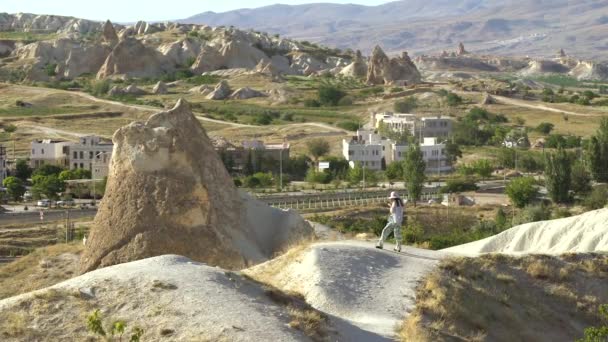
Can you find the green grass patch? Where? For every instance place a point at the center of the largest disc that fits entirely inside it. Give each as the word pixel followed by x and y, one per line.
pixel 567 81
pixel 41 111
pixel 27 36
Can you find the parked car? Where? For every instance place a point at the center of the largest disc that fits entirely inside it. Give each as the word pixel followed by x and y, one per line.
pixel 66 203
pixel 43 203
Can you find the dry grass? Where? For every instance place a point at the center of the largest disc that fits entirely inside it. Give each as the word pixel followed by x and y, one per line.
pixel 311 322
pixel 42 268
pixel 501 298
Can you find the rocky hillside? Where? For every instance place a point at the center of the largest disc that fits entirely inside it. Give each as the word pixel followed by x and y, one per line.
pixel 82 47
pixel 520 27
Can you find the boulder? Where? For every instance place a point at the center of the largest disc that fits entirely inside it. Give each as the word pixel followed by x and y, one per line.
pixel 109 33
pixel 395 71
pixel 246 93
pixel 160 88
pixel 221 92
pixel 202 89
pixel 134 90
pixel 168 192
pixel 116 91
pixel 230 54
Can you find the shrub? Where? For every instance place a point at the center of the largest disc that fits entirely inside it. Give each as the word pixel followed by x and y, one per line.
pixel 600 333
pixel 597 199
pixel 262 119
pixel 406 106
pixel 349 125
pixel 453 100
pixel 346 101
pixel 522 191
pixel 318 177
pixel 50 69
pixel 311 103
pixel 456 185
pixel 545 128
pixel 330 95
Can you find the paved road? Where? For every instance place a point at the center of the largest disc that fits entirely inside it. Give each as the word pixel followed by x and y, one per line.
pixel 49 216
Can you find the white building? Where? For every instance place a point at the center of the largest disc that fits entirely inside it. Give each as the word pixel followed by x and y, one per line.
pixel 49 151
pixel 373 152
pixel 93 154
pixel 425 127
pixel 367 149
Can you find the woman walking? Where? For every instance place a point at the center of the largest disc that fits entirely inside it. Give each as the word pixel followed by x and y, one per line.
pixel 395 220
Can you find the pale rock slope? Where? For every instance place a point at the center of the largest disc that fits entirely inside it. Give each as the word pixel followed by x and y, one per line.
pixel 584 233
pixel 371 289
pixel 170 297
pixel 168 192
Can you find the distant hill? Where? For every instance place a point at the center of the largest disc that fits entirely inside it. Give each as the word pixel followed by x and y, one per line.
pixel 516 27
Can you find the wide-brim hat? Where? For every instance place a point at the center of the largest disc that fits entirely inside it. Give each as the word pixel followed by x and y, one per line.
pixel 393 195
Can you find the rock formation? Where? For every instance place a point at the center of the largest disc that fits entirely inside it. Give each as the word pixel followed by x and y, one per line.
pixel 561 53
pixel 398 71
pixel 357 69
pixel 168 192
pixel 160 88
pixel 487 99
pixel 202 89
pixel 221 92
pixel 589 71
pixel 134 90
pixel 246 93
pixel 109 33
pixel 131 58
pixel 461 50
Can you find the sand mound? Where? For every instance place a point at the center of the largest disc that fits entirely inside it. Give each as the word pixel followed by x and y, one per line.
pixel 371 289
pixel 168 192
pixel 170 297
pixel 578 234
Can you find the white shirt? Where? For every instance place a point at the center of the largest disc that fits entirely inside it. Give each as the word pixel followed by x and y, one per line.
pixel 397 212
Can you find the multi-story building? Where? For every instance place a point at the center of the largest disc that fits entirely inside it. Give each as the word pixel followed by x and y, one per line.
pixel 367 149
pixel 425 127
pixel 263 157
pixel 49 151
pixel 375 152
pixel 91 153
pixel 434 127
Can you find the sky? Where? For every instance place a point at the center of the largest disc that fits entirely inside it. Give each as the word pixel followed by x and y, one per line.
pixel 133 10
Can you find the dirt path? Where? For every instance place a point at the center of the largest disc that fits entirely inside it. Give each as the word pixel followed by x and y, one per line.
pixel 51 132
pixel 526 104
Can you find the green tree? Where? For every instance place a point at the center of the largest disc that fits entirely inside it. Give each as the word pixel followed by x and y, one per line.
pixel 74 174
pixel 48 170
pixel 558 176
pixel 23 170
pixel 483 168
pixel 453 100
pixel 545 127
pixel 413 171
pixel 50 186
pixel 452 152
pixel 597 153
pixel 599 333
pixel 317 148
pixel 394 171
pixel 522 191
pixel 406 106
pixel 330 95
pixel 397 136
pixel 14 187
pixel 597 199
pixel 318 177
pixel 580 179
pixel 501 219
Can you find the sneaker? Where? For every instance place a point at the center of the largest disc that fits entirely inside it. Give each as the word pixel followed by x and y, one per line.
pixel 379 246
pixel 397 249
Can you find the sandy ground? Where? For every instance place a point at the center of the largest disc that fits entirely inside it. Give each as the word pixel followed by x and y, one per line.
pixel 370 288
pixel 578 234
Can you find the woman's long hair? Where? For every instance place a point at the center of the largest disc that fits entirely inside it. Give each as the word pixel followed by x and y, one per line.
pixel 398 202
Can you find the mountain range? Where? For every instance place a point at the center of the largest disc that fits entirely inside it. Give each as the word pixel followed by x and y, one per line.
pixel 538 28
